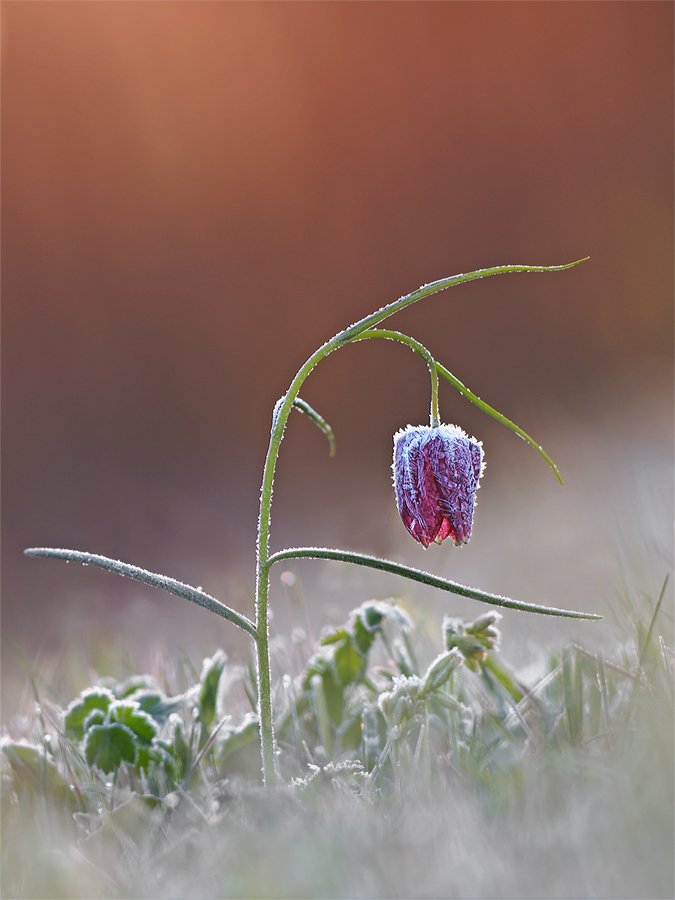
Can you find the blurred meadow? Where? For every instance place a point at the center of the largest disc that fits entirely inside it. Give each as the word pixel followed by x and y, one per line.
pixel 197 195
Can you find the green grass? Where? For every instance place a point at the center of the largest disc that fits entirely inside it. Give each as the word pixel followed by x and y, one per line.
pixel 400 775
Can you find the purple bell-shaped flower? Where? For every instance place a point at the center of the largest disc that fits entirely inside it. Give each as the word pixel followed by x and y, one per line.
pixel 436 475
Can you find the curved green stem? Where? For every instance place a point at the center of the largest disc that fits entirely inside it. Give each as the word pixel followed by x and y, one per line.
pixel 279 419
pixel 434 417
pixel 422 351
pixel 481 404
pixel 385 565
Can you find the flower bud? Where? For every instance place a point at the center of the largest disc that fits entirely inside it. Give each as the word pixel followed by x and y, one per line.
pixel 484 630
pixel 473 640
pixel 440 670
pixel 436 475
pixel 400 704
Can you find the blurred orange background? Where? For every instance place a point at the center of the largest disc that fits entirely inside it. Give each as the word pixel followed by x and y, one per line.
pixel 196 195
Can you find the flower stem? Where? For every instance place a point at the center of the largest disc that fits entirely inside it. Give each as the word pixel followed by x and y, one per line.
pixel 421 350
pixel 434 418
pixel 481 404
pixel 282 411
pixel 260 630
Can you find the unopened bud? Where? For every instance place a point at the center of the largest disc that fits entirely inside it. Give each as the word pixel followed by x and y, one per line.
pixel 436 475
pixel 472 640
pixel 440 670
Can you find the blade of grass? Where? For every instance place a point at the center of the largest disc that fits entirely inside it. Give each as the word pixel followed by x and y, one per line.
pixel 651 624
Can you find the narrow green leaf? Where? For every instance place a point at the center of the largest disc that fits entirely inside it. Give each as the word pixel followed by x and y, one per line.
pixel 349 663
pixel 170 585
pixel 441 285
pixel 578 704
pixel 321 709
pixel 503 676
pixel 208 694
pixel 385 565
pixel 334 637
pixel 481 404
pixel 318 420
pixel 651 624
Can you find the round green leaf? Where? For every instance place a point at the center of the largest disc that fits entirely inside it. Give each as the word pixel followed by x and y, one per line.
pixel 134 684
pixel 108 746
pixel 129 713
pixel 95 717
pixel 79 709
pixel 155 755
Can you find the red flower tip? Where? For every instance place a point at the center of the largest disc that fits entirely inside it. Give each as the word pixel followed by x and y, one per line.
pixel 436 475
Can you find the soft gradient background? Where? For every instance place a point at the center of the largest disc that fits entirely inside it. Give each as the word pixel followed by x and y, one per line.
pixel 196 195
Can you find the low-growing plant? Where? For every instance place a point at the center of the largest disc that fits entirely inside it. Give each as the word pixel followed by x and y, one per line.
pixel 135 784
pixel 437 469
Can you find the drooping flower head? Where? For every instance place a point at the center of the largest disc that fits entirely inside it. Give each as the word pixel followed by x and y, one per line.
pixel 436 475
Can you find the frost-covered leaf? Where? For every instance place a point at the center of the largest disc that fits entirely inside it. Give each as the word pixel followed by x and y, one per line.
pixel 179 747
pixel 334 637
pixel 349 663
pixel 448 702
pixel 128 713
pixel 156 754
pixel 373 612
pixel 108 746
pixel 208 694
pixel 79 709
pixel 31 766
pixel 403 702
pixel 134 684
pixel 347 774
pixel 95 717
pixel 158 705
pixel 240 736
pixel 474 639
pixel 366 621
pixel 322 664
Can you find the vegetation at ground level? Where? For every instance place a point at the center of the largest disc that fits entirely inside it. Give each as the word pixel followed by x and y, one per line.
pixel 401 772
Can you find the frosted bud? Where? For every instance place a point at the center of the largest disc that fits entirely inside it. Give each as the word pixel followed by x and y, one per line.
pixel 440 670
pixel 436 475
pixel 472 640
